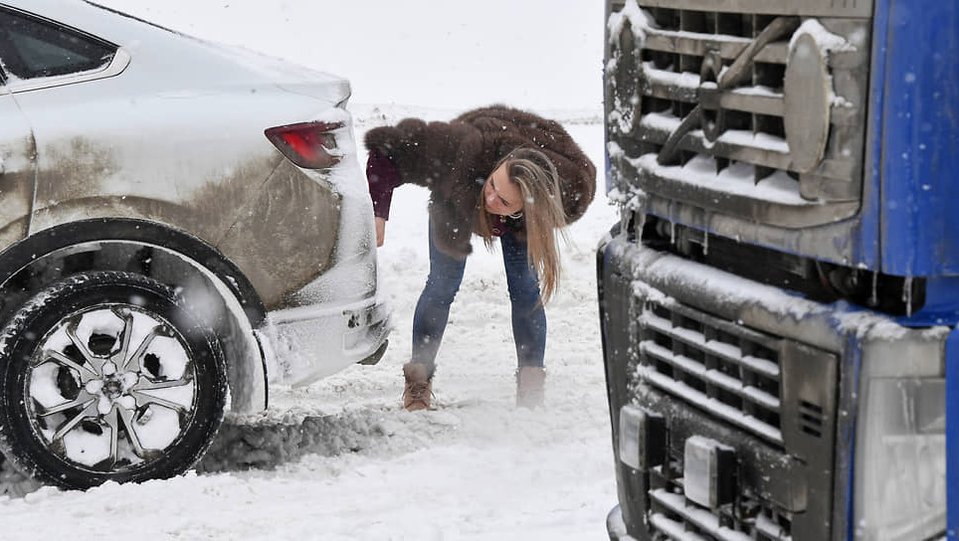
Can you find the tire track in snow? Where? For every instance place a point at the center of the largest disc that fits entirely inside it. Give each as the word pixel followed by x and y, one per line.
pixel 265 442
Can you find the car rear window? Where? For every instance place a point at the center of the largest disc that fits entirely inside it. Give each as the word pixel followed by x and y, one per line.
pixel 31 48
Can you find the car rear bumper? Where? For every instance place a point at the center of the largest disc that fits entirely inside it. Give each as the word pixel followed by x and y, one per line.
pixel 306 343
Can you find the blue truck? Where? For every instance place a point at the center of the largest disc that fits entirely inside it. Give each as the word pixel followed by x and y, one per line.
pixel 780 298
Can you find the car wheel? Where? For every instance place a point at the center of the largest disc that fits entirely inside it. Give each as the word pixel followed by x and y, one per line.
pixel 107 376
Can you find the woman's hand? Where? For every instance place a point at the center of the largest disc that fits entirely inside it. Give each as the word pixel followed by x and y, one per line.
pixel 380 231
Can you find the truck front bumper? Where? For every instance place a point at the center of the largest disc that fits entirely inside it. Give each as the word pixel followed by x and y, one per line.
pixel 665 318
pixel 615 526
pixel 688 352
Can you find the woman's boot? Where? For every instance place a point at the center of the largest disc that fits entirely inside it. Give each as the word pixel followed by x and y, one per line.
pixel 418 391
pixel 530 381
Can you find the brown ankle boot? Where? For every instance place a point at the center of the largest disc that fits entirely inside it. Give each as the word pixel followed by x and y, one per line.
pixel 418 391
pixel 530 381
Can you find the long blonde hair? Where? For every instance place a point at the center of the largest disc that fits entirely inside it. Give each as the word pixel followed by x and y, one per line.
pixel 543 212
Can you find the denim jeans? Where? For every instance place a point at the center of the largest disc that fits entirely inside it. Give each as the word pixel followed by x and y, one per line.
pixel 446 274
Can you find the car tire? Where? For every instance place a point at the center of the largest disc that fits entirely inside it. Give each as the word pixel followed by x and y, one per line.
pixel 108 376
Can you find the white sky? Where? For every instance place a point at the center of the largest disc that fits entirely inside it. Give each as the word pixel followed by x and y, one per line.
pixel 538 54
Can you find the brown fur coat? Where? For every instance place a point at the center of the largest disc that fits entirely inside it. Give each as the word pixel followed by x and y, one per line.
pixel 453 159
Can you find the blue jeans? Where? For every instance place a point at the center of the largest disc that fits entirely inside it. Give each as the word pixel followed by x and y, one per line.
pixel 446 274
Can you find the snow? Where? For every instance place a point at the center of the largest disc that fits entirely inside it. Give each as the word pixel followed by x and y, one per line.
pixel 621 113
pixel 715 406
pixel 87 448
pixel 758 90
pixel 702 519
pixel 728 287
pixel 43 386
pixel 763 141
pixel 173 358
pixel 738 178
pixel 159 430
pixel 339 460
pixel 636 17
pixel 685 79
pixel 825 40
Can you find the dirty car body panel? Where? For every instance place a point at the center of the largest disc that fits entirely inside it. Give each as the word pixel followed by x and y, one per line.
pixel 17 169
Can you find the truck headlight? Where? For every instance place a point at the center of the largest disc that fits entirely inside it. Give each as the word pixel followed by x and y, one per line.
pixel 900 487
pixel 708 476
pixel 642 438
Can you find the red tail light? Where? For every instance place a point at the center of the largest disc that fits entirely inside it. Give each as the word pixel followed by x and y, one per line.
pixel 310 145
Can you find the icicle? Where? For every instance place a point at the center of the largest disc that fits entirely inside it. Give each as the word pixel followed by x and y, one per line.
pixel 633 209
pixel 640 213
pixel 672 223
pixel 874 299
pixel 624 216
pixel 907 294
pixel 707 223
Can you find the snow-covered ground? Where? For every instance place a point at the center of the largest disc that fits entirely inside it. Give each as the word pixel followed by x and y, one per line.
pixel 341 459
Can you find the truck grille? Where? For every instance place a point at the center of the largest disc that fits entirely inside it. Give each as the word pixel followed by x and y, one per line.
pixel 699 110
pixel 730 371
pixel 749 371
pixel 677 518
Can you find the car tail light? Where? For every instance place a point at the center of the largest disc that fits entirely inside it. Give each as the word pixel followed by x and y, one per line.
pixel 311 145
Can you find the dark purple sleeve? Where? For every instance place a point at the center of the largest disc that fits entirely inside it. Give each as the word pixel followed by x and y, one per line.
pixel 382 177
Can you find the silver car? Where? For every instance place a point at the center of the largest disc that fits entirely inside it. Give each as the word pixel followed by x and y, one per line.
pixel 179 222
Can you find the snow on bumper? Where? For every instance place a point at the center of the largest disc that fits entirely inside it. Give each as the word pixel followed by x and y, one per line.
pixel 338 319
pixel 307 343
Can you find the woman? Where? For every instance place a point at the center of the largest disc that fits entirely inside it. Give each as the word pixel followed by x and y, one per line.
pixel 499 173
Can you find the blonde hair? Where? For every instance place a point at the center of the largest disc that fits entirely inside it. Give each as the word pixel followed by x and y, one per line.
pixel 535 175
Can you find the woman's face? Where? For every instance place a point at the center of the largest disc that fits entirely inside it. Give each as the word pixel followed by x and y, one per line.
pixel 500 194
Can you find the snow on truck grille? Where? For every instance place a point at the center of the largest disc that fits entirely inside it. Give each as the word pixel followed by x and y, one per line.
pixel 731 371
pixel 756 113
pixel 675 517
